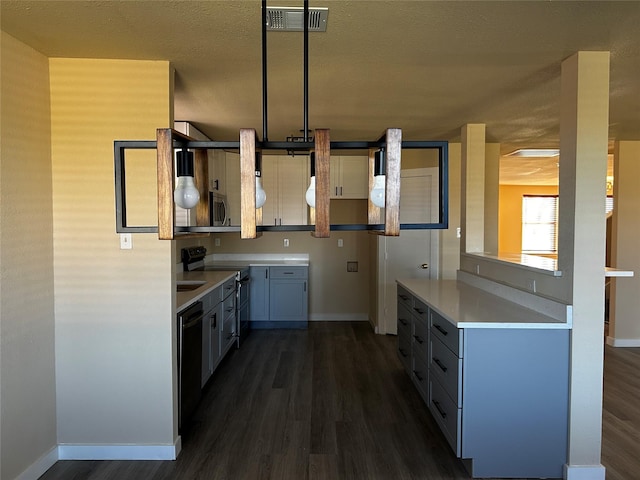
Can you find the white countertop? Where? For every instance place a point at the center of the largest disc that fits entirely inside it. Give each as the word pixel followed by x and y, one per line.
pixel 257 259
pixel 469 307
pixel 213 279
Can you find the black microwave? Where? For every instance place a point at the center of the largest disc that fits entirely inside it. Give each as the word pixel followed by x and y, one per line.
pixel 218 211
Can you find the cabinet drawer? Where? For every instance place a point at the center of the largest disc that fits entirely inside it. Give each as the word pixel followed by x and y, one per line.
pixel 447 368
pixel 228 287
pixel 420 338
pixel 446 413
pixel 229 306
pixel 404 351
pixel 448 333
pixel 211 299
pixel 404 298
pixel 421 310
pixel 288 272
pixel 420 374
pixel 404 319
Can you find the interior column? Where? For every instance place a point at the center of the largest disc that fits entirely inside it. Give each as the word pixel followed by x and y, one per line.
pixel 624 327
pixel 472 202
pixel 581 248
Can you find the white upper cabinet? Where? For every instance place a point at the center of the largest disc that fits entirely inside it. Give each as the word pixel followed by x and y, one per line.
pixel 285 180
pixel 349 177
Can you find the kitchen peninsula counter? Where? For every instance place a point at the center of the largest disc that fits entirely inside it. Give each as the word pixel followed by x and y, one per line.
pixel 492 365
pixel 466 306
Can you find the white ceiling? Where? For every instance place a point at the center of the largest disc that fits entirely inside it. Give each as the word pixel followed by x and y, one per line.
pixel 427 67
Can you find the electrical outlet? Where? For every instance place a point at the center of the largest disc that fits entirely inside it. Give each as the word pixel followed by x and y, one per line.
pixel 340 242
pixel 286 242
pixel 352 266
pixel 126 243
pixel 217 242
pixel 458 232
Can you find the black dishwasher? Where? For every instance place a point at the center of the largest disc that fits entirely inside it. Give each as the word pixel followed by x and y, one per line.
pixel 189 362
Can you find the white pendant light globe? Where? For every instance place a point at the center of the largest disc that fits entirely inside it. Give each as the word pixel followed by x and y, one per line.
pixel 377 194
pixel 261 195
pixel 186 194
pixel 310 196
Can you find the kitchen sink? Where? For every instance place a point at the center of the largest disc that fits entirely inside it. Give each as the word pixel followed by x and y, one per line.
pixel 188 285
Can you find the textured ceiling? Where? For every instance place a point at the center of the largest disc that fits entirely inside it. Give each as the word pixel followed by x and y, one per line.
pixel 427 67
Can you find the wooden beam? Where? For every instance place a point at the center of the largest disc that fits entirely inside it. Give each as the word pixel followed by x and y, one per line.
pixel 166 176
pixel 392 173
pixel 373 212
pixel 248 183
pixel 323 160
pixel 201 180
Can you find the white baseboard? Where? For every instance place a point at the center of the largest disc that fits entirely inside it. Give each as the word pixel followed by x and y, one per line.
pixel 339 317
pixel 119 452
pixel 584 472
pixel 37 468
pixel 623 342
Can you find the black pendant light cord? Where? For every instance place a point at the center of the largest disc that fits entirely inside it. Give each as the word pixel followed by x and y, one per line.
pixel 306 70
pixel 265 136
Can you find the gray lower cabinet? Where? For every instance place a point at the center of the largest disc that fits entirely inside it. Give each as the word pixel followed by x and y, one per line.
pixel 279 297
pixel 218 325
pixel 499 395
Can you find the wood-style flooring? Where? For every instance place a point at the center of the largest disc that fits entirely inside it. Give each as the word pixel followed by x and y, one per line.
pixel 333 402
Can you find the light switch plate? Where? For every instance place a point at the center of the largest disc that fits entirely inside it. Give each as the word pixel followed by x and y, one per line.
pixel 286 242
pixel 126 243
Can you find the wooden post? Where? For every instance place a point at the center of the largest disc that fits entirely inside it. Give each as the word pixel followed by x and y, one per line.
pixel 166 210
pixel 201 180
pixel 373 212
pixel 248 183
pixel 392 172
pixel 323 160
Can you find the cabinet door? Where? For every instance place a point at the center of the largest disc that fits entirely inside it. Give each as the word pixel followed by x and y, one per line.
pixel 288 300
pixel 335 177
pixel 206 349
pixel 214 336
pixel 293 182
pixel 217 171
pixel 354 175
pixel 259 294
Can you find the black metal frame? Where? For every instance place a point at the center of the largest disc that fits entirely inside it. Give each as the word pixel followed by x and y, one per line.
pixel 120 147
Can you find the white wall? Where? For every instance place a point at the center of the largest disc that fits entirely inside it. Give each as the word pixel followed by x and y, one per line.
pixel 27 391
pixel 114 308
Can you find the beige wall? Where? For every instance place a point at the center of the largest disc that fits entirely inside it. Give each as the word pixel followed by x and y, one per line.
pixel 334 293
pixel 510 214
pixel 27 391
pixel 114 308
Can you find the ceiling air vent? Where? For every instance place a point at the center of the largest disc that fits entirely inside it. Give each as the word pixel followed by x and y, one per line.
pixel 291 19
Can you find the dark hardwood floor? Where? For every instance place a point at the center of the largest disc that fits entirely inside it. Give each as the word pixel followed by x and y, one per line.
pixel 332 402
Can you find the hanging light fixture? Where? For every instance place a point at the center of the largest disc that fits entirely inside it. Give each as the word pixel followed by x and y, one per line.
pixel 378 192
pixel 186 194
pixel 261 195
pixel 310 196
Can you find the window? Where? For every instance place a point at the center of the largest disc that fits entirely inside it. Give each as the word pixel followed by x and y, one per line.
pixel 540 223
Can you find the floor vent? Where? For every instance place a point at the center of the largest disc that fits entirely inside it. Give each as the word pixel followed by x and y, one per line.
pixel 291 19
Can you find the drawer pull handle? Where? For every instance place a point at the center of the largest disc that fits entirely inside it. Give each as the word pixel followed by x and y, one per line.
pixel 403 321
pixel 418 339
pixel 287 273
pixel 402 352
pixel 420 311
pixel 230 309
pixel 404 297
pixel 440 329
pixel 442 413
pixel 417 374
pixel 440 364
